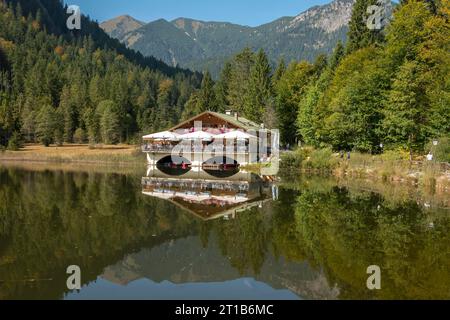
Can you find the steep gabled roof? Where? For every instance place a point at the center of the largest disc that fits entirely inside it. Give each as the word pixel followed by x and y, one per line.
pixel 241 123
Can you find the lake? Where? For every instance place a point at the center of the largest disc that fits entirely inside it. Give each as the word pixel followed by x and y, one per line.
pixel 164 234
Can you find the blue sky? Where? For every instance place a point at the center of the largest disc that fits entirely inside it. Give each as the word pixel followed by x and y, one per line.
pixel 246 12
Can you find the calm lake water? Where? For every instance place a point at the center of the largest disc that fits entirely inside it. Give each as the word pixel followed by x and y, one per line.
pixel 196 235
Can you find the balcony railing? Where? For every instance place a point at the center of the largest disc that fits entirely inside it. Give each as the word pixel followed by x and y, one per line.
pixel 194 149
pixel 157 149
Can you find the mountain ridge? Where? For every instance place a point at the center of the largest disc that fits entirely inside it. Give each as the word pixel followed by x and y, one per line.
pixel 203 45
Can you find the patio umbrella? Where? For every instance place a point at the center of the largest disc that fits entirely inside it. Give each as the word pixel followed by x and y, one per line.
pixel 236 135
pixel 198 135
pixel 165 135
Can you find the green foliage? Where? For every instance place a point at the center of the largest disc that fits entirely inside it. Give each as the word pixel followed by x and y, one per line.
pixel 15 142
pixel 47 125
pixel 308 158
pixel 395 93
pixel 290 89
pixel 279 71
pixel 246 87
pixel 359 35
pixel 406 113
pixel 239 80
pixel 441 151
pixel 260 88
pixel 80 136
pixel 108 114
pixel 343 232
pixel 202 45
pixel 43 68
pixel 292 161
pixel 321 159
pixel 354 99
pixel 207 97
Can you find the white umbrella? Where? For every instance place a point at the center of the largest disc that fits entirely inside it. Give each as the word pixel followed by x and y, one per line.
pixel 236 135
pixel 198 135
pixel 165 135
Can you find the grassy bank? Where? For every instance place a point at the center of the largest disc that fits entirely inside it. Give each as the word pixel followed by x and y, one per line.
pixel 392 193
pixel 101 154
pixel 393 167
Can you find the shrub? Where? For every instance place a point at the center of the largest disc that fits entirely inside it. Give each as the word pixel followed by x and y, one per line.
pixel 441 152
pixel 79 136
pixel 15 142
pixel 322 159
pixel 395 155
pixel 292 160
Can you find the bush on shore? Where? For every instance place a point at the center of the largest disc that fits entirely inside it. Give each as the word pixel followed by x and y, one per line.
pixel 15 142
pixel 309 158
pixel 392 165
pixel 441 151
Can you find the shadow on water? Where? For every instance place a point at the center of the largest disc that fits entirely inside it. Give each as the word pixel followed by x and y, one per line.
pixel 173 170
pixel 227 173
pixel 311 239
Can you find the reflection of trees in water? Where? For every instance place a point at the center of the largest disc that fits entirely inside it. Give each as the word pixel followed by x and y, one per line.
pixel 344 234
pixel 244 240
pixel 51 220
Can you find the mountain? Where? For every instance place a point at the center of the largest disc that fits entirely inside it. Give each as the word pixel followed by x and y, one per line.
pixel 199 45
pixel 53 16
pixel 187 261
pixel 67 81
pixel 120 26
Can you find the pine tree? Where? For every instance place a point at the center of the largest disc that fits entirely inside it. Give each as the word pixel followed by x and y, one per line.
pixel 239 79
pixel 260 88
pixel 222 88
pixel 109 122
pixel 289 93
pixel 336 57
pixel 40 64
pixel 46 125
pixel 359 35
pixel 92 122
pixel 70 115
pixel 279 71
pixel 206 96
pixel 191 107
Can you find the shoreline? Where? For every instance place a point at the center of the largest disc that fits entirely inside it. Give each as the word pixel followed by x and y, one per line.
pixel 123 155
pixel 430 176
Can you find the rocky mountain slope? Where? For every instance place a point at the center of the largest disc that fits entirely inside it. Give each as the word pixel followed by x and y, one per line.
pixel 199 45
pixel 120 26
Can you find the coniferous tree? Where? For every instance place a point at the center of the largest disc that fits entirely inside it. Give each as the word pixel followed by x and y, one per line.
pixel 239 79
pixel 69 114
pixel 259 88
pixel 46 125
pixel 42 65
pixel 222 88
pixel 359 35
pixel 336 57
pixel 206 96
pixel 279 71
pixel 289 93
pixel 109 122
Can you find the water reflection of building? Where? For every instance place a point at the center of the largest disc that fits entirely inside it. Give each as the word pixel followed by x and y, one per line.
pixel 208 194
pixel 186 268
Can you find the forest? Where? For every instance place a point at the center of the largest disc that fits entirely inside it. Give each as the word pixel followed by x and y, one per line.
pixel 387 88
pixel 61 87
pixel 58 217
